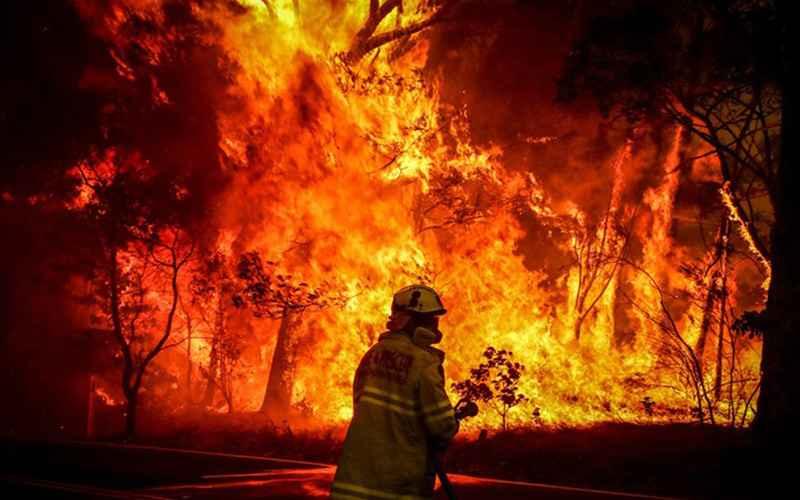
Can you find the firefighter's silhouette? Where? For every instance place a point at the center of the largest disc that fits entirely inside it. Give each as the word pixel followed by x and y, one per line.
pixel 402 417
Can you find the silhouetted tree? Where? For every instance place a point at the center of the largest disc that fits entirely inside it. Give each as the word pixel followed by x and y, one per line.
pixel 722 70
pixel 368 38
pixel 212 290
pixel 676 353
pixel 495 381
pixel 144 252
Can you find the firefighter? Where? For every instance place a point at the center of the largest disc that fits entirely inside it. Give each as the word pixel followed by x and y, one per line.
pixel 402 417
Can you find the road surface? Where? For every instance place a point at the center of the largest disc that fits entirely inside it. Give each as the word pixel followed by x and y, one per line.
pixel 93 470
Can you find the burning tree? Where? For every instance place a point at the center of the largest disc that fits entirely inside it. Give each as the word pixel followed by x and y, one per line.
pixel 716 70
pixel 275 295
pixel 676 353
pixel 598 252
pixel 733 384
pixel 367 40
pixel 711 284
pixel 213 287
pixel 457 200
pixel 713 276
pixel 680 356
pixel 495 381
pixel 144 253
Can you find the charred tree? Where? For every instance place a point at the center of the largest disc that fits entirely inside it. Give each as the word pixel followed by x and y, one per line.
pixel 126 316
pixel 189 365
pixel 211 373
pixel 715 290
pixel 722 288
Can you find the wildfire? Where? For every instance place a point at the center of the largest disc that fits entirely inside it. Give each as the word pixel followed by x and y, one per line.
pixel 357 173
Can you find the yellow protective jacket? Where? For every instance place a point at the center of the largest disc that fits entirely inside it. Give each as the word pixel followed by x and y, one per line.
pixel 401 415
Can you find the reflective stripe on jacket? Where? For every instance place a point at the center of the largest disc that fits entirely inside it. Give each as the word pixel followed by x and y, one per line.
pixel 401 413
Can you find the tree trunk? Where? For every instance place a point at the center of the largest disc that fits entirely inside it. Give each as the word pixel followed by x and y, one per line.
pixel 211 374
pixel 226 380
pixel 278 392
pixel 214 359
pixel 723 304
pixel 188 360
pixel 127 359
pixel 580 313
pixel 131 409
pixel 733 406
pixel 779 400
pixel 576 329
pixel 705 325
pixel 625 322
pixel 720 252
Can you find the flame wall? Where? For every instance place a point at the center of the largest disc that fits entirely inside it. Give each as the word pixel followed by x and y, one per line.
pixel 364 176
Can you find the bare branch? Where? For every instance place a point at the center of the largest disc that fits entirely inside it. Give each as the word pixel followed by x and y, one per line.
pixel 366 40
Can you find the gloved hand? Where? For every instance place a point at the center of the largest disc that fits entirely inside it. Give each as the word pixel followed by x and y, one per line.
pixel 465 409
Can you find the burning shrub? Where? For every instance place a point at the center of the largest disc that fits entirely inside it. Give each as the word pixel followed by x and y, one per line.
pixel 536 416
pixel 649 405
pixel 495 381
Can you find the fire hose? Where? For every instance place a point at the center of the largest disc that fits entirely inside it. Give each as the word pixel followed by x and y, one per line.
pixel 463 410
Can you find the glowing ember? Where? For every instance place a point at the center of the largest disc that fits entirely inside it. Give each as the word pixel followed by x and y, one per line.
pixel 106 397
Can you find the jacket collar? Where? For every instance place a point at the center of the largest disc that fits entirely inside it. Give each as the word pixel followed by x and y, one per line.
pixel 422 338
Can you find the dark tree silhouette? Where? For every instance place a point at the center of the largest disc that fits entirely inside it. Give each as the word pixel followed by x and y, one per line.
pixel 212 289
pixel 495 381
pixel 722 71
pixel 370 38
pixel 143 251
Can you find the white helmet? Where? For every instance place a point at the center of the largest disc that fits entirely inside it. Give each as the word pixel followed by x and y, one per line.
pixel 418 299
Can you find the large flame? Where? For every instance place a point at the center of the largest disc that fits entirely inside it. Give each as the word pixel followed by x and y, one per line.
pixel 358 174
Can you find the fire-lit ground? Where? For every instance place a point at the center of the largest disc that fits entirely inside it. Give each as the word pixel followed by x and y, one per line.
pixel 74 470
